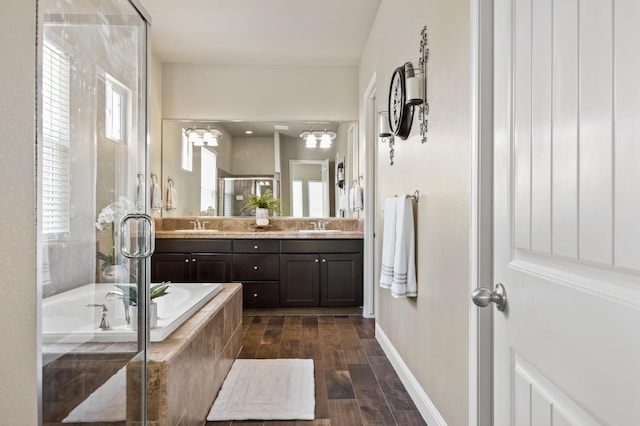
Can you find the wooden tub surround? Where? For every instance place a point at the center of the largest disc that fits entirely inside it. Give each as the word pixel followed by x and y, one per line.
pixel 186 370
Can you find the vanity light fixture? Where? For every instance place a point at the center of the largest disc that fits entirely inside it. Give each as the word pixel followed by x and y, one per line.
pixel 311 138
pixel 202 137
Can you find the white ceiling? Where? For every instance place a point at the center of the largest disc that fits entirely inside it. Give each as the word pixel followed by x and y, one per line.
pixel 261 32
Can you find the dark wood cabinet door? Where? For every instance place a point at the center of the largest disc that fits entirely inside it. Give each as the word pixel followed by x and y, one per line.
pixel 341 279
pixel 262 294
pixel 210 268
pixel 299 280
pixel 174 267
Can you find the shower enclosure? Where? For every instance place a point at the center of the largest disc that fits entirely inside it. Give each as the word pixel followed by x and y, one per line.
pixel 93 234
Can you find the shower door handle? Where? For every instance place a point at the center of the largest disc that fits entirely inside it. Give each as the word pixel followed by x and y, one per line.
pixel 150 243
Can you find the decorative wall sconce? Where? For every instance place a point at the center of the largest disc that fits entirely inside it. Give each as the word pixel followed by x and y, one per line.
pixel 408 90
pixel 384 133
pixel 202 137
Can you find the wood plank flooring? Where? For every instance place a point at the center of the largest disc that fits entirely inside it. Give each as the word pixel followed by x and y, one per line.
pixel 355 383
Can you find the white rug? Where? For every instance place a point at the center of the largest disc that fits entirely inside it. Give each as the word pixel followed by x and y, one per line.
pixel 108 403
pixel 266 389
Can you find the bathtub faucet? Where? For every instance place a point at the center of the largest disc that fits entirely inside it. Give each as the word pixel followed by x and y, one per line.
pixel 104 323
pixel 117 294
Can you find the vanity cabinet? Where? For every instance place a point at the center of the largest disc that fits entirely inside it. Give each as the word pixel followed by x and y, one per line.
pixel 256 264
pixel 321 273
pixel 197 260
pixel 273 272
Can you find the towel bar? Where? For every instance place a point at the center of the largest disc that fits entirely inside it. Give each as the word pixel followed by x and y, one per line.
pixel 415 196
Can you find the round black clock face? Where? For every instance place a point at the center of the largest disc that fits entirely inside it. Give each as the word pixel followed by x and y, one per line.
pixel 400 114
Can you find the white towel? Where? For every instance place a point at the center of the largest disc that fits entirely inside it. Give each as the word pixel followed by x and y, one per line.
pixel 358 202
pixel 172 197
pixel 404 265
pixel 156 193
pixel 388 242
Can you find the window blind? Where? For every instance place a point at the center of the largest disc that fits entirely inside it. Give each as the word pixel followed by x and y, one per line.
pixel 208 178
pixel 55 140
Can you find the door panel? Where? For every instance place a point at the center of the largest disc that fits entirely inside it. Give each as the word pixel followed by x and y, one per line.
pixel 566 238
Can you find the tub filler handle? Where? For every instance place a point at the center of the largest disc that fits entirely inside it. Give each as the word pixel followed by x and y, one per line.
pixel 104 323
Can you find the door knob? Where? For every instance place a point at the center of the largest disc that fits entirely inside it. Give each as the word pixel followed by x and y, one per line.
pixel 483 297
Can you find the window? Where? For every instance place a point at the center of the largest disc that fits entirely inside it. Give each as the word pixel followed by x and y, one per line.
pixel 186 157
pixel 116 109
pixel 296 196
pixel 208 179
pixel 56 73
pixel 315 198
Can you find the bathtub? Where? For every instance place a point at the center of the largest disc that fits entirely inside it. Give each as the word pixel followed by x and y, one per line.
pixel 67 319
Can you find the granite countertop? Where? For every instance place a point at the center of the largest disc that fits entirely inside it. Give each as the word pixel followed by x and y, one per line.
pixel 245 228
pixel 259 234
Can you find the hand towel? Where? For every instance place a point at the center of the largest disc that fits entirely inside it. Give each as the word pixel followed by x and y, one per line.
pixel 172 197
pixel 156 193
pixel 388 242
pixel 358 202
pixel 352 198
pixel 404 265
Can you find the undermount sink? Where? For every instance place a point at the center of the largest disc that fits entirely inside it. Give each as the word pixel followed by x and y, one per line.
pixel 319 231
pixel 195 231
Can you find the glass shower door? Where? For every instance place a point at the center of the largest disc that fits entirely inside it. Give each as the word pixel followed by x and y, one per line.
pixel 92 162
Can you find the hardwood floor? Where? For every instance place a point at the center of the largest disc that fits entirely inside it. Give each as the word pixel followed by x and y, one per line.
pixel 355 383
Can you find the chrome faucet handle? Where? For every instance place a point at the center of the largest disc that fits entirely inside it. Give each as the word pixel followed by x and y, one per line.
pixel 203 225
pixel 102 306
pixel 315 225
pixel 195 224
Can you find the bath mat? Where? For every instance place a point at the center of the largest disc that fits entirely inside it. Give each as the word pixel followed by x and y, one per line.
pixel 266 389
pixel 108 403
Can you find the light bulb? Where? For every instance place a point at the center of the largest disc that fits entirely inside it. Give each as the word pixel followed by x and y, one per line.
pixel 207 138
pixel 214 141
pixel 325 142
pixel 311 141
pixel 193 137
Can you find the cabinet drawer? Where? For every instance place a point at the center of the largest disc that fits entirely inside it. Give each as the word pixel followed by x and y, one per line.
pixel 200 245
pixel 256 267
pixel 260 295
pixel 256 246
pixel 321 246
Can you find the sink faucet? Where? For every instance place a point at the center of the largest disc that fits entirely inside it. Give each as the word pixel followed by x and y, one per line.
pixel 104 323
pixel 315 225
pixel 322 225
pixel 117 294
pixel 197 224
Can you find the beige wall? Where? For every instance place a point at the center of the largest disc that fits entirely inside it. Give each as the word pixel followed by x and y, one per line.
pixel 253 156
pixel 227 92
pixel 429 332
pixel 19 360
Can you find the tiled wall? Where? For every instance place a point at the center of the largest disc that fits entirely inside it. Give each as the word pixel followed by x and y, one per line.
pixel 187 369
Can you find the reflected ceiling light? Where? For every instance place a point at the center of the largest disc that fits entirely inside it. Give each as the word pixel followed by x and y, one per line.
pixel 202 137
pixel 249 132
pixel 311 137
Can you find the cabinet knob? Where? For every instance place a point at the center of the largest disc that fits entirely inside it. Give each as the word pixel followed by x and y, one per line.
pixel 316 260
pixel 193 260
pixel 186 261
pixel 255 294
pixel 324 260
pixel 255 267
pixel 256 247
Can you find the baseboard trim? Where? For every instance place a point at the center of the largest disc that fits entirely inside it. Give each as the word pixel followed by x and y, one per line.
pixel 425 406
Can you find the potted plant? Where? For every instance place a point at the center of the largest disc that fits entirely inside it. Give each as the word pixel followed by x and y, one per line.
pixel 262 204
pixel 110 215
pixel 130 297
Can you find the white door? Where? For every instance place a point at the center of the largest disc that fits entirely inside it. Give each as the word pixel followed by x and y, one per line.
pixel 567 212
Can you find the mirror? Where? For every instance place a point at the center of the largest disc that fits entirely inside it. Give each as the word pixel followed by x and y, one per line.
pixel 214 177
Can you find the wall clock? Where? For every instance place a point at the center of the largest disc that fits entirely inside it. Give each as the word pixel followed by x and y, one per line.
pixel 400 113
